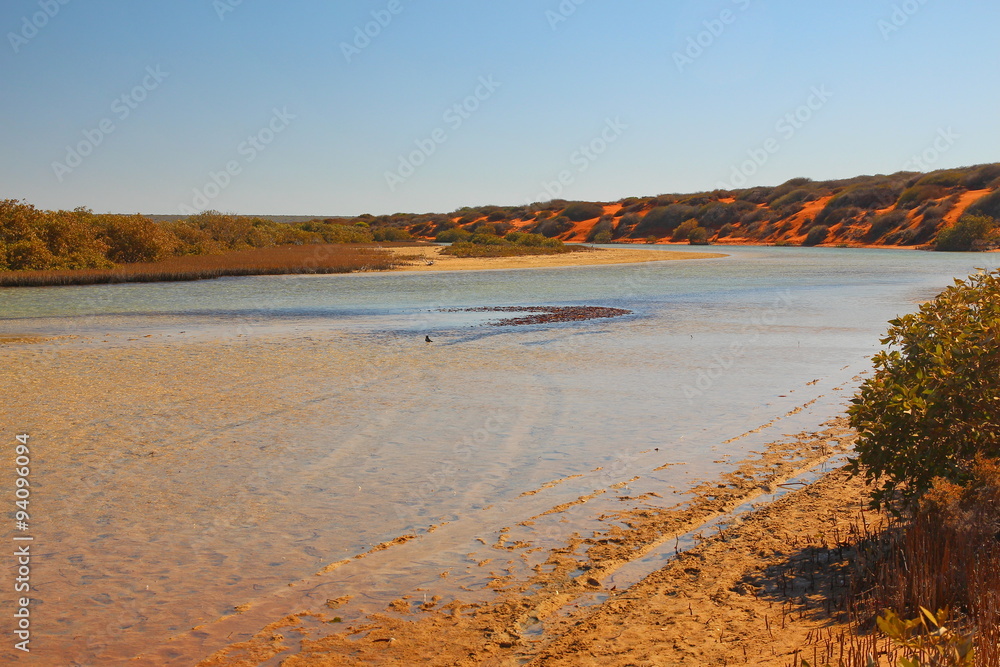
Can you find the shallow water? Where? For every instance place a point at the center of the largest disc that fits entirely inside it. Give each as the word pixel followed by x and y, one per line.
pixel 201 446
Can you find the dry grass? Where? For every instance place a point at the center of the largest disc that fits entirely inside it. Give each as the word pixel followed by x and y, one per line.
pixel 323 258
pixel 946 556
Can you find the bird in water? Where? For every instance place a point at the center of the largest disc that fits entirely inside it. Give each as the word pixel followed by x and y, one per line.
pixel 427 339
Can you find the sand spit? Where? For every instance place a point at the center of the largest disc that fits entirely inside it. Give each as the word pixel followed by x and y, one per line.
pixel 431 259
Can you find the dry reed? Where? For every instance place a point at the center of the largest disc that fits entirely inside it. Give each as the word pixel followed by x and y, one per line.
pixel 304 259
pixel 946 556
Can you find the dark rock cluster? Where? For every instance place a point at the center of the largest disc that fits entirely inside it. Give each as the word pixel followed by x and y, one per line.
pixel 544 314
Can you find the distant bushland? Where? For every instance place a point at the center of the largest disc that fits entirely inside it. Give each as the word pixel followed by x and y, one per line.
pixel 580 211
pixel 988 205
pixel 816 235
pixel 971 232
pixel 885 223
pixel 604 226
pixel 511 245
pixel 300 259
pixel 663 220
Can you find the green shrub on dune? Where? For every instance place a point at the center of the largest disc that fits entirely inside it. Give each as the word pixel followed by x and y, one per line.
pixel 580 211
pixel 971 232
pixel 988 205
pixel 453 235
pixel 816 235
pixel 511 245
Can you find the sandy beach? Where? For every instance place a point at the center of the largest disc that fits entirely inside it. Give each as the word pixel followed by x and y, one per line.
pixel 431 259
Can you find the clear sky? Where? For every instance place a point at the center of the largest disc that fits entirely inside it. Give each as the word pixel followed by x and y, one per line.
pixel 256 106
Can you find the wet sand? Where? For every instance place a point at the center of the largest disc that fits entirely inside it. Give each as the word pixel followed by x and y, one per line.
pixel 754 593
pixel 423 256
pixel 193 501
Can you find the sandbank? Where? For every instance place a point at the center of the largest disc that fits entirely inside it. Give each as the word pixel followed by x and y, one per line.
pixel 423 256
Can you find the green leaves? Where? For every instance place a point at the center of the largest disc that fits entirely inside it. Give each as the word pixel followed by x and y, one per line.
pixel 930 406
pixel 928 634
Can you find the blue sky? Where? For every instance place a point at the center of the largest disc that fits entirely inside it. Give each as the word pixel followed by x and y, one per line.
pixel 282 108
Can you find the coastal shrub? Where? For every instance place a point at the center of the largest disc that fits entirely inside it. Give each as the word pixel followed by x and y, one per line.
pixel 982 177
pixel 923 233
pixel 496 216
pixel 727 230
pixel 626 224
pixel 971 232
pixel 390 234
pixel 988 205
pixel 793 197
pixel 785 212
pixel 553 227
pixel 259 261
pixel 683 231
pixel 533 240
pixel 931 405
pixel 329 231
pixel 484 238
pixel 605 225
pixel 663 220
pixel 918 194
pixel 135 238
pixel 866 195
pixel 816 235
pixel 946 178
pixel 755 195
pixel 939 209
pixel 602 237
pixel 885 223
pixel 835 216
pixel 580 211
pixel 715 215
pixel 698 236
pixel 513 244
pixel 453 235
pixel 696 200
pixel 752 216
pixel 73 240
pixel 758 229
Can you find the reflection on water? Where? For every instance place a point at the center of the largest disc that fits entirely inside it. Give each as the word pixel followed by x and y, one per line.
pixel 202 446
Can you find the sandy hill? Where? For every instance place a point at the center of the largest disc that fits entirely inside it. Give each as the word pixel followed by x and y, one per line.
pixel 902 209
